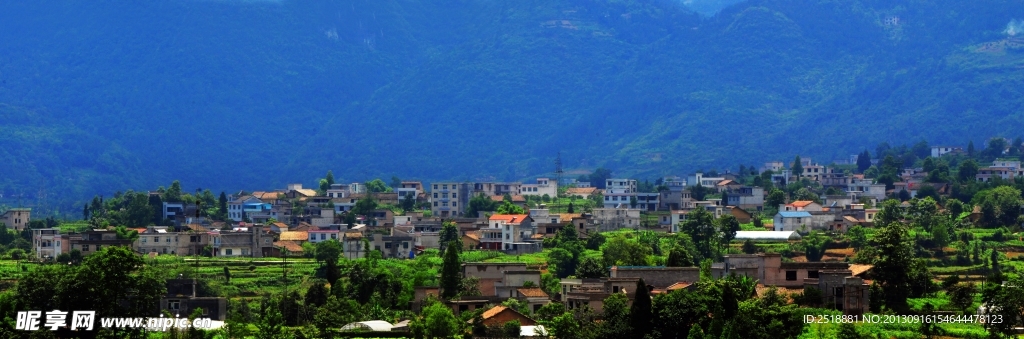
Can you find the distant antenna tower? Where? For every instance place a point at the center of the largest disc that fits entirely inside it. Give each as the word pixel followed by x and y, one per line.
pixel 558 169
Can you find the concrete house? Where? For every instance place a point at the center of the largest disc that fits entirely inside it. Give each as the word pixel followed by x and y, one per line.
pixel 90 242
pixel 792 221
pixel 47 243
pixel 745 197
pixel 240 242
pixel 544 186
pixel 16 218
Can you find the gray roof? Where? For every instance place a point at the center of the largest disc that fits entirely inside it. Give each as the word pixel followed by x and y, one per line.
pixel 372 325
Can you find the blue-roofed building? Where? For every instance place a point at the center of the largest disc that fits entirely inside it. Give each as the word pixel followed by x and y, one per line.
pixel 792 221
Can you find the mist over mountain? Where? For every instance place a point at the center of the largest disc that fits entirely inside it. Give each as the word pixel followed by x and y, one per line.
pixel 99 96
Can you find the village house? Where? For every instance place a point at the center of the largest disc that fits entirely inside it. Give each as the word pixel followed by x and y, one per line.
pixel 699 179
pixel 938 151
pixel 92 241
pixel 449 199
pixel 240 242
pixel 507 232
pixel 16 218
pixel 162 240
pixel 792 221
pixel 745 197
pixel 544 186
pixel 182 298
pixel 580 192
pixel 610 219
pixel 47 243
pixel 491 275
pixel 673 196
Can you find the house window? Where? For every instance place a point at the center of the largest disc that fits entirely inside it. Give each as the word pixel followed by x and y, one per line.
pixel 387 245
pixel 156 239
pixel 435 204
pixel 812 274
pixel 85 248
pixel 168 239
pixel 405 245
pixel 143 240
pixel 790 275
pixel 435 195
pixel 453 196
pixel 173 305
pixel 453 203
pixel 227 251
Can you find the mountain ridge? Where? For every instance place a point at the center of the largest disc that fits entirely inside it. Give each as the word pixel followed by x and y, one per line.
pixel 244 95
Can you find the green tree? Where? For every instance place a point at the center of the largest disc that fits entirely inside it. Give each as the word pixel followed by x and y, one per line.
pixel 377 186
pixel 679 257
pixel 863 161
pixel 640 315
pixel 563 261
pixel 728 226
pixel 700 226
pixel 848 331
pixel 695 332
pixel 508 207
pixel 775 198
pixel 895 251
pixel 967 171
pixel 449 235
pixel 173 194
pixel 616 318
pixel 451 274
pixel 222 206
pixel 329 178
pixel 797 167
pixel 961 295
pixel 408 202
pixel 438 321
pixel 699 192
pixel 749 247
pixel 858 239
pixel 480 203
pixel 591 268
pixel 365 205
pixel 627 252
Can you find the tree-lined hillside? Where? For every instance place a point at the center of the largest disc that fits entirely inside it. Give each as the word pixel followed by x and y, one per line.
pixel 244 94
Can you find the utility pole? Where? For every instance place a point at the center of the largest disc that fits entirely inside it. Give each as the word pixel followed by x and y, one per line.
pixel 558 172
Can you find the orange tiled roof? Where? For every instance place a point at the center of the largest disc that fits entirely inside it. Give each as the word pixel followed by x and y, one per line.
pixel 859 269
pixel 497 198
pixel 532 292
pixel 568 216
pixel 294 236
pixel 493 311
pixel 510 218
pixel 291 246
pixel 801 203
pixel 679 285
pixel 581 190
pixel 725 182
pixel 473 236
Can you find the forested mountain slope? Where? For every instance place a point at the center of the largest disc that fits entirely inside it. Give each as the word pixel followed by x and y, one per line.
pixel 100 95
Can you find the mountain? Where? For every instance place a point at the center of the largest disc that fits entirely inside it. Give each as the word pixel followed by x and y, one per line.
pixel 99 96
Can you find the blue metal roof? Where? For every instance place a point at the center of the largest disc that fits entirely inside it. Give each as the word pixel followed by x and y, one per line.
pixel 800 214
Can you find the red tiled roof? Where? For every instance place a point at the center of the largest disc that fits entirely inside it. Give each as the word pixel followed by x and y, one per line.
pixel 497 198
pixel 510 218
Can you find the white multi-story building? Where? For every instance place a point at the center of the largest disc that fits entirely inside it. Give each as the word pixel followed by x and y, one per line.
pixel 544 186
pixel 699 178
pixel 47 242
